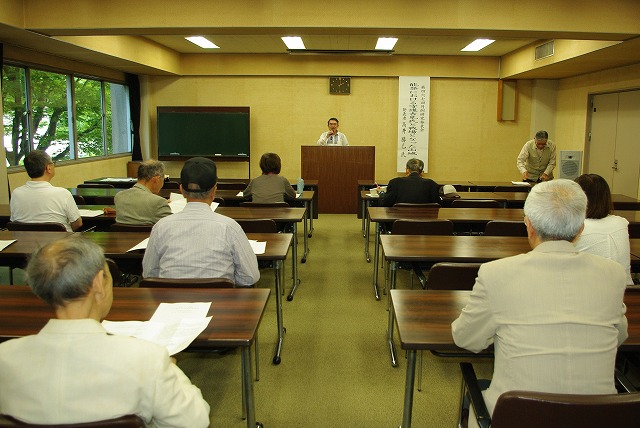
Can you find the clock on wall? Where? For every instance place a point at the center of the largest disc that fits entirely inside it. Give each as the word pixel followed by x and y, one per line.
pixel 340 85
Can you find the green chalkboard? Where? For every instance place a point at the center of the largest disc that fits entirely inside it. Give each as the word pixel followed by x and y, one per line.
pixel 216 132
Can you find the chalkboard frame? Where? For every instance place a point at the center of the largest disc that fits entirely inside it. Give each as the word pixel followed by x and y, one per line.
pixel 217 113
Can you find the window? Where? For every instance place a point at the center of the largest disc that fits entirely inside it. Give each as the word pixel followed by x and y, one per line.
pixel 70 117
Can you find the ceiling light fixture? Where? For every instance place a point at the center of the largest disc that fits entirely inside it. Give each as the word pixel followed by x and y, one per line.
pixel 294 42
pixel 386 43
pixel 477 44
pixel 202 42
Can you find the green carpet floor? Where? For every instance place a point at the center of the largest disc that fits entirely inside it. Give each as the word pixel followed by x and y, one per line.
pixel 335 369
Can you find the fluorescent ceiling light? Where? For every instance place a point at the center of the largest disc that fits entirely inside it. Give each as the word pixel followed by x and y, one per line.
pixel 477 44
pixel 294 42
pixel 202 42
pixel 386 43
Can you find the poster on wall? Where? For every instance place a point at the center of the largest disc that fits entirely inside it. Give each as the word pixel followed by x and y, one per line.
pixel 413 120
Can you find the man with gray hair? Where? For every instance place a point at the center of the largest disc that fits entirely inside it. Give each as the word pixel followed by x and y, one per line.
pixel 537 159
pixel 141 204
pixel 197 242
pixel 554 315
pixel 412 188
pixel 73 371
pixel 40 202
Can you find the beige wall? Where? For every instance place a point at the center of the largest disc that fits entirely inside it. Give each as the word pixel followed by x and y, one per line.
pixel 572 102
pixel 466 141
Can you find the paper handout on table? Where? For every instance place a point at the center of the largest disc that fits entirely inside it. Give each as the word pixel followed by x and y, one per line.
pixel 173 325
pixel 120 180
pixel 5 243
pixel 258 247
pixel 90 213
pixel 521 183
pixel 142 245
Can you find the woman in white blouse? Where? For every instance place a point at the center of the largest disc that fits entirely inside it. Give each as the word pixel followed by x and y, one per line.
pixel 604 234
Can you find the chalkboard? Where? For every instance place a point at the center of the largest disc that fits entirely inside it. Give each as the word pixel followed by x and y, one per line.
pixel 215 132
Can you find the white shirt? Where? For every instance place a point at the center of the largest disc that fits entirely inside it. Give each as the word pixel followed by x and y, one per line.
pixel 40 202
pixel 334 140
pixel 607 237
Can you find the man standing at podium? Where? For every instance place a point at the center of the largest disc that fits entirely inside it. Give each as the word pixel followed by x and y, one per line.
pixel 332 137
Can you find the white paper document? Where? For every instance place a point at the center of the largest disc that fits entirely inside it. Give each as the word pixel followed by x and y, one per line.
pixel 142 245
pixel 521 183
pixel 178 202
pixel 173 325
pixel 258 247
pixel 90 213
pixel 119 180
pixel 5 243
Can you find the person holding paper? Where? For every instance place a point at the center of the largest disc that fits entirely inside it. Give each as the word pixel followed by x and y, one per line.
pixel 40 202
pixel 73 371
pixel 141 204
pixel 537 159
pixel 269 187
pixel 197 242
pixel 332 137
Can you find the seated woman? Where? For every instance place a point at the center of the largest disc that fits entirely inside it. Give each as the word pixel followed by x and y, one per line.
pixel 604 234
pixel 269 187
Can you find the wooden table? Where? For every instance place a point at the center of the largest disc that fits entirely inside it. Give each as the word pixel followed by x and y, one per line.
pixel 424 323
pixel 387 215
pixel 116 246
pixel 236 317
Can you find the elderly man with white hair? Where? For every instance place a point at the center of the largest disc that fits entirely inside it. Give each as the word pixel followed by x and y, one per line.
pixel 554 315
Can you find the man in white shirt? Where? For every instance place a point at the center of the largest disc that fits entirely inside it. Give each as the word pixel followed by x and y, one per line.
pixel 197 242
pixel 332 137
pixel 40 202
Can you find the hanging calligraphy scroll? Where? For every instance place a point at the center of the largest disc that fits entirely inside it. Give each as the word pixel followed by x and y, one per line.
pixel 413 120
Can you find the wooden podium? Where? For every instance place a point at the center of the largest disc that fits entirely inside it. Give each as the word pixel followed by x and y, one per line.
pixel 338 169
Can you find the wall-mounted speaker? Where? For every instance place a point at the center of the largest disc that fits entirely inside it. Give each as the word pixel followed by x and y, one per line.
pixel 570 164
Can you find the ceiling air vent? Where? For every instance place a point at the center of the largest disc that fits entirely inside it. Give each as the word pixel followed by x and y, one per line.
pixel 545 50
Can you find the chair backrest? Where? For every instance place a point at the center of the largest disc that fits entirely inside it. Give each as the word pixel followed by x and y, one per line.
pixel 410 205
pixel 505 228
pixel 187 283
pixel 475 203
pixel 128 421
pixel 526 409
pixel 171 185
pixel 103 200
pixel 261 205
pixel 524 189
pixel 79 200
pixel 97 185
pixel 262 225
pixel 116 275
pixel 44 227
pixel 121 227
pixel 230 185
pixel 452 276
pixel 634 230
pixel 422 227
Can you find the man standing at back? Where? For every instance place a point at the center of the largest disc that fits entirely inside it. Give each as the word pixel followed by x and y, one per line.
pixel 141 204
pixel 197 242
pixel 410 189
pixel 554 315
pixel 40 202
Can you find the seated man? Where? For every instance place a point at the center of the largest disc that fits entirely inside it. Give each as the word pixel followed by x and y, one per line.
pixel 141 204
pixel 410 189
pixel 73 371
pixel 40 202
pixel 555 315
pixel 197 242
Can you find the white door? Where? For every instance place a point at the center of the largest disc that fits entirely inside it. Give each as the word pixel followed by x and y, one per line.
pixel 614 148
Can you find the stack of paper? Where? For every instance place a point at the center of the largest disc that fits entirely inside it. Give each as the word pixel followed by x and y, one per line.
pixel 173 325
pixel 177 202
